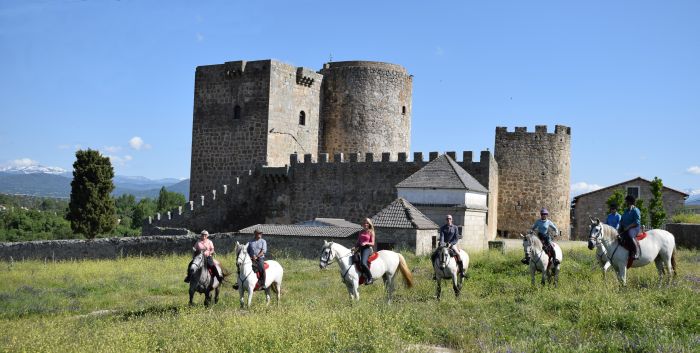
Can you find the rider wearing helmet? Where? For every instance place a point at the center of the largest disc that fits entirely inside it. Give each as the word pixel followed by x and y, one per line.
pixel 542 226
pixel 206 246
pixel 630 224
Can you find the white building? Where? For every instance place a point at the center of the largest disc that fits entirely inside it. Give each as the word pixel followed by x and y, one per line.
pixel 442 187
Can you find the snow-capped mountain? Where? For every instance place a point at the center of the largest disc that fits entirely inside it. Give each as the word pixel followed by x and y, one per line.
pixel 33 169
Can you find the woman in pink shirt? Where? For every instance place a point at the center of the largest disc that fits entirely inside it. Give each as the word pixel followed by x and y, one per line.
pixel 206 247
pixel 365 242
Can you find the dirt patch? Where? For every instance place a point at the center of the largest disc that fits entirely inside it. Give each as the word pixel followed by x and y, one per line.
pixel 426 348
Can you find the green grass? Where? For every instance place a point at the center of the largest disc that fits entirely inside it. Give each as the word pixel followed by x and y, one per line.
pixel 686 218
pixel 46 307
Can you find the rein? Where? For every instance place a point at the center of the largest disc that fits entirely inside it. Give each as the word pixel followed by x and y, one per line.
pixel 242 279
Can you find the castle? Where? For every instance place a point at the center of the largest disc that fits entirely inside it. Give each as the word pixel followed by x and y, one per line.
pixel 274 143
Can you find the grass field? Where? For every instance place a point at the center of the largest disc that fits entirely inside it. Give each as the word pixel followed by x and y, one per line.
pixel 140 304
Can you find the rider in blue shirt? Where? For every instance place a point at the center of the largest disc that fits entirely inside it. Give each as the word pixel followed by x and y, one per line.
pixel 630 225
pixel 257 250
pixel 614 218
pixel 542 226
pixel 449 235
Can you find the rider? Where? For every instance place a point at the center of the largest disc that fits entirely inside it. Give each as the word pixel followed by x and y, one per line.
pixel 206 246
pixel 257 250
pixel 614 218
pixel 449 234
pixel 364 244
pixel 630 224
pixel 542 226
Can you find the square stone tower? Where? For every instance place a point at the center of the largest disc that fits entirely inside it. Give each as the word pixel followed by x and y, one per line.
pixel 247 114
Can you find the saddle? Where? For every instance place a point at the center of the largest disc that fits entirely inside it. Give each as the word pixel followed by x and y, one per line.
pixel 630 247
pixel 218 268
pixel 257 274
pixel 358 266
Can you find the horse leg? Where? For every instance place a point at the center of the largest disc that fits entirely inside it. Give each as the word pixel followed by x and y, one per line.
pixel 622 274
pixel 389 284
pixel 659 262
pixel 278 290
pixel 455 286
pixel 532 274
pixel 438 289
pixel 267 296
pixel 216 295
pixel 240 293
pixel 207 297
pixel 250 295
pixel 191 295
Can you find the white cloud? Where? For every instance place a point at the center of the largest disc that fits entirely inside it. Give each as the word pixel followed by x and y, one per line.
pixel 120 161
pixel 583 187
pixel 137 143
pixel 23 162
pixel 694 192
pixel 694 170
pixel 112 149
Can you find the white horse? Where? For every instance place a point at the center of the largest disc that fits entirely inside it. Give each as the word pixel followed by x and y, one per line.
pixel 446 267
pixel 539 260
pixel 201 281
pixel 384 266
pixel 658 246
pixel 247 278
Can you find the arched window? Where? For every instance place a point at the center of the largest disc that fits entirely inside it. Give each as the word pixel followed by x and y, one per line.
pixel 237 112
pixel 403 110
pixel 302 118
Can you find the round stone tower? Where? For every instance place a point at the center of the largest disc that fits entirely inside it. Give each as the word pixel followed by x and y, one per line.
pixel 366 107
pixel 534 171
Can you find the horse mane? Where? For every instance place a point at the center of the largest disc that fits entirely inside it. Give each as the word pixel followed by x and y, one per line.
pixel 535 242
pixel 609 233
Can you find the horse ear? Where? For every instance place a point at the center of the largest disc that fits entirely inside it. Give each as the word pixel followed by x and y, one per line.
pixel 325 243
pixel 592 220
pixel 597 221
pixel 521 235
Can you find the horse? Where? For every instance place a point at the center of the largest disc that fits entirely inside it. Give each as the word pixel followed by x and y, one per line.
pixel 539 260
pixel 202 281
pixel 384 266
pixel 247 278
pixel 658 246
pixel 446 267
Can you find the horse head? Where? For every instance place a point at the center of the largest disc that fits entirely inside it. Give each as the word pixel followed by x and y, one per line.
pixel 242 254
pixel 443 256
pixel 327 254
pixel 197 262
pixel 595 233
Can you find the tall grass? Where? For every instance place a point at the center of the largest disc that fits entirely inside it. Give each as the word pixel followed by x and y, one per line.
pixel 46 306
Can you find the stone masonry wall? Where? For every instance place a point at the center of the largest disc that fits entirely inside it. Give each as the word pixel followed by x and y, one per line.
pixel 593 205
pixel 534 171
pixel 366 107
pixel 293 90
pixel 229 129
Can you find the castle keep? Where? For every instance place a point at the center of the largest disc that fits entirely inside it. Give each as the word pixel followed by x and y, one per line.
pixel 274 143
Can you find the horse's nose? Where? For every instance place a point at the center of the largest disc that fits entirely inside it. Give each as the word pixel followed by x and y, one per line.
pixel 590 245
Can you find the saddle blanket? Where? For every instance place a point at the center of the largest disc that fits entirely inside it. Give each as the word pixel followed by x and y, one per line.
pixel 371 258
pixel 257 285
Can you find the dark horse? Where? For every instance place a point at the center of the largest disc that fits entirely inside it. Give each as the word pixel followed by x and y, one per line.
pixel 201 281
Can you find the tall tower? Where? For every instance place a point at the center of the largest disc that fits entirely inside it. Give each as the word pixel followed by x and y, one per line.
pixel 248 114
pixel 534 171
pixel 366 107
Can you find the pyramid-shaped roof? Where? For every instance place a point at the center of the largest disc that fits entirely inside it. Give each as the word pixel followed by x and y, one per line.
pixel 442 173
pixel 401 214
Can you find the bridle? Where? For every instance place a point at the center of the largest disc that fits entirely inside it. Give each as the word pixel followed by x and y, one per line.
pixel 329 259
pixel 601 251
pixel 238 267
pixel 441 261
pixel 532 251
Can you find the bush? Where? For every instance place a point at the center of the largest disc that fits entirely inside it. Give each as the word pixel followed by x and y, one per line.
pixel 686 218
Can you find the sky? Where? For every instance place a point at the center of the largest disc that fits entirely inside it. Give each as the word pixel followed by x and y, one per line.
pixel 118 75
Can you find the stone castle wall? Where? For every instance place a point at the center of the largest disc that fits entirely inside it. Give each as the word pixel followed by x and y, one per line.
pixel 366 107
pixel 534 170
pixel 229 130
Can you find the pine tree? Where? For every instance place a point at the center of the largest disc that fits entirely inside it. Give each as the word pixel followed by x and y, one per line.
pixel 91 209
pixel 656 205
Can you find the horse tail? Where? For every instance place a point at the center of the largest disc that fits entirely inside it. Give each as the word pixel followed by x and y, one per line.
pixel 407 275
pixel 673 263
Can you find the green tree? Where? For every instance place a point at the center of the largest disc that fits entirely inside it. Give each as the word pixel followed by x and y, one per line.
pixel 146 207
pixel 617 198
pixel 656 204
pixel 125 204
pixel 168 200
pixel 643 212
pixel 91 208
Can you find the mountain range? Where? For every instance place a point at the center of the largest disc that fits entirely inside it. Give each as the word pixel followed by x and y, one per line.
pixel 55 182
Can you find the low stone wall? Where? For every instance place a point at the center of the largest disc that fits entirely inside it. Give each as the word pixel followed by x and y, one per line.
pixel 111 248
pixel 687 235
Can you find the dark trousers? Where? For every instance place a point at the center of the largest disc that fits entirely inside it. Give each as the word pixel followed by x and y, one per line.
pixel 365 253
pixel 212 266
pixel 547 242
pixel 260 268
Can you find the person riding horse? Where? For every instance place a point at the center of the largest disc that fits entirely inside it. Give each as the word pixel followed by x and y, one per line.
pixel 630 225
pixel 206 246
pixel 449 234
pixel 257 250
pixel 542 226
pixel 614 218
pixel 364 246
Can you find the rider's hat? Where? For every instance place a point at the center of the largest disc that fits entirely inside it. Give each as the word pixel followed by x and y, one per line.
pixel 257 231
pixel 630 199
pixel 544 211
pixel 204 232
pixel 613 205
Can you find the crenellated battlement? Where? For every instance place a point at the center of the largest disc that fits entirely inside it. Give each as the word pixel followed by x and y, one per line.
pixel 385 157
pixel 539 129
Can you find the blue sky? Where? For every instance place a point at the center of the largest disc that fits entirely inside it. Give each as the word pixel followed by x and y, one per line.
pixel 118 76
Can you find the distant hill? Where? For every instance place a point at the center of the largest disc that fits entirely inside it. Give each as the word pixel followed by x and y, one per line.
pixel 58 185
pixel 693 200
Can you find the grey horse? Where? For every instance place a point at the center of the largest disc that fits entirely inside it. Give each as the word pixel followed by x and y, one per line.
pixel 201 281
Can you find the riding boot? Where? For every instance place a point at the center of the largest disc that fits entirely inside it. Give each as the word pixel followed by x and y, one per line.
pixel 460 265
pixel 636 249
pixel 262 280
pixel 368 278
